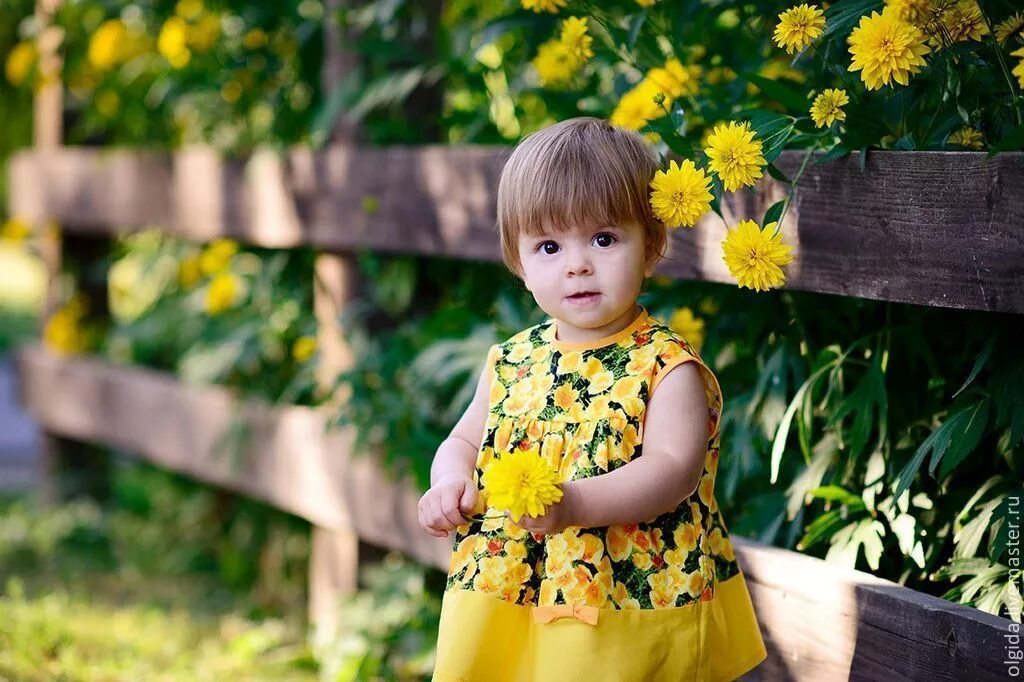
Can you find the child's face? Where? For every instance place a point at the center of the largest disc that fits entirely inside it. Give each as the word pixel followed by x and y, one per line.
pixel 606 263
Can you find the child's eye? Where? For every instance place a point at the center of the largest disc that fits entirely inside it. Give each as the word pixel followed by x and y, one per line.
pixel 605 239
pixel 548 247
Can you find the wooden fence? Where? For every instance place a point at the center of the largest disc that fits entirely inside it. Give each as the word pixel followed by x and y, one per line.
pixel 888 232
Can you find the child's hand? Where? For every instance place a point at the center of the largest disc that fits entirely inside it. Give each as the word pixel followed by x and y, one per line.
pixel 442 507
pixel 557 518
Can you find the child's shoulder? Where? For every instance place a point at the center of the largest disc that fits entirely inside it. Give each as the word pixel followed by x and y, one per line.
pixel 666 340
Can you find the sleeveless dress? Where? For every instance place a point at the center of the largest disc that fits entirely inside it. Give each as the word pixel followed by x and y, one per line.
pixel 663 599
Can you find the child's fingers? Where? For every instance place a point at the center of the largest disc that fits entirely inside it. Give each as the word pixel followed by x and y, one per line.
pixel 426 519
pixel 450 507
pixel 468 500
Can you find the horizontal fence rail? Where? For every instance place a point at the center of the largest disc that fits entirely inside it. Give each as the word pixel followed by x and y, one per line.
pixel 934 228
pixel 820 622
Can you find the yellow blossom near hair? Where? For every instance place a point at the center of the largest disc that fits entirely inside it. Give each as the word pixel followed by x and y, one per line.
pixel 574 36
pixel 522 482
pixel 304 348
pixel 961 22
pixel 691 328
pixel 217 255
pixel 735 155
pixel 555 63
pixel 638 106
pixel 173 42
pixel 798 27
pixel 550 6
pixel 828 107
pixel 681 195
pixel 675 79
pixel 967 137
pixel 1011 26
pixel 1018 70
pixel 222 293
pixel 15 231
pixel 886 48
pixel 754 256
pixel 20 61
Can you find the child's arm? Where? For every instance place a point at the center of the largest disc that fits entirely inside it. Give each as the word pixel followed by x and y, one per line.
pixel 669 471
pixel 452 488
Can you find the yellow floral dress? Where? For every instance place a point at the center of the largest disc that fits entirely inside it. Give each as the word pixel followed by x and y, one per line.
pixel 663 599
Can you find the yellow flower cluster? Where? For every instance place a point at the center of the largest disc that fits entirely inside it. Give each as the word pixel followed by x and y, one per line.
pixel 522 482
pixel 192 28
pixel 63 333
pixel 113 43
pixel 654 94
pixel 558 60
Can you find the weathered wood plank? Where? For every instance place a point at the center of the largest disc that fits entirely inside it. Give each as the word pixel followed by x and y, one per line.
pixel 933 228
pixel 283 455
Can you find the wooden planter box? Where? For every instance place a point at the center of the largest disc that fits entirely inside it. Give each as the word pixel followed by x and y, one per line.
pixel 820 622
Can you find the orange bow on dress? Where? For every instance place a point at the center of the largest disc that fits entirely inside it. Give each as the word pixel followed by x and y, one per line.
pixel 581 612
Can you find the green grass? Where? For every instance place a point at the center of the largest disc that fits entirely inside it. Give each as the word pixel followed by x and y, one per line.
pixel 74 608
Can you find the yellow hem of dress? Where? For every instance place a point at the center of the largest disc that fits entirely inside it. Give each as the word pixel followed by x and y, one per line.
pixel 485 639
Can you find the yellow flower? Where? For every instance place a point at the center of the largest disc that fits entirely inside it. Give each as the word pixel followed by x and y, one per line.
pixel 574 36
pixel 15 231
pixel 886 48
pixel 676 80
pixel 754 256
pixel 172 42
pixel 521 482
pixel 63 333
pixel 254 39
pixel 108 103
pixel 1018 70
pixel 107 45
pixel 20 61
pixel 646 3
pixel 963 22
pixel 687 326
pixel 222 293
pixel 1011 26
pixel 216 257
pixel 189 9
pixel 204 33
pixel 538 6
pixel 304 348
pixel 828 107
pixel 917 12
pixel 967 137
pixel 735 155
pixel 681 194
pixel 555 63
pixel 189 273
pixel 798 27
pixel 638 106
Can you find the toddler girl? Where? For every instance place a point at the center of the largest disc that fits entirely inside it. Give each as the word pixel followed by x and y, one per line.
pixel 631 575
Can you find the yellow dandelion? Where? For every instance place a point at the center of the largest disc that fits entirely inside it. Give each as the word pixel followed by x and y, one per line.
pixel 967 137
pixel 828 107
pixel 172 42
pixel 691 328
pixel 15 231
pixel 304 348
pixel 675 79
pixel 638 106
pixel 798 27
pixel 555 63
pixel 682 194
pixel 222 293
pixel 886 48
pixel 1011 26
pixel 521 482
pixel 754 256
pixel 735 155
pixel 1018 70
pixel 538 6
pixel 20 62
pixel 575 38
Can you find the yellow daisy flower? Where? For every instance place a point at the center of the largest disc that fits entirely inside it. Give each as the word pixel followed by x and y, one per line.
pixel 798 27
pixel 304 348
pixel 681 195
pixel 735 155
pixel 1010 26
pixel 963 22
pixel 555 63
pixel 216 257
pixel 106 45
pixel 20 61
pixel 916 12
pixel 828 107
pixel 172 42
pixel 886 48
pixel 15 231
pixel 638 106
pixel 521 482
pixel 222 293
pixel 967 137
pixel 574 36
pixel 538 6
pixel 189 273
pixel 691 328
pixel 754 256
pixel 675 79
pixel 1018 71
pixel 646 3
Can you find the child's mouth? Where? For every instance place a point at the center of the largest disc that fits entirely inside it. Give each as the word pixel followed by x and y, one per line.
pixel 584 297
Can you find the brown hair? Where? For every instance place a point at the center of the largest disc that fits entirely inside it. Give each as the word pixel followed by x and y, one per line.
pixel 579 172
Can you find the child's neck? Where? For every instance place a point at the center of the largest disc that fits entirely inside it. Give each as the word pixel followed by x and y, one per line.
pixel 569 334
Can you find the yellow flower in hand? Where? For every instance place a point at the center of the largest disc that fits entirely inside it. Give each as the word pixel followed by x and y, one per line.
pixel 522 482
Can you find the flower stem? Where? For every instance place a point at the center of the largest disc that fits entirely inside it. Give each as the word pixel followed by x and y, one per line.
pixel 1002 64
pixel 792 191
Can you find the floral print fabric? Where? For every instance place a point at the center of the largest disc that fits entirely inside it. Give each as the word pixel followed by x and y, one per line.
pixel 583 406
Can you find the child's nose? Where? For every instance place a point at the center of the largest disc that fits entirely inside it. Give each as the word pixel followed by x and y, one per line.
pixel 578 263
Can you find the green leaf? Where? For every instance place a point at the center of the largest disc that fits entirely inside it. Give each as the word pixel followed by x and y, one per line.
pixel 841 16
pixel 867 403
pixel 1012 140
pixel 978 364
pixel 970 428
pixel 780 92
pixel 822 528
pixel 777 174
pixel 773 212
